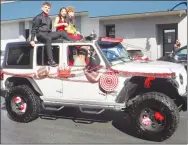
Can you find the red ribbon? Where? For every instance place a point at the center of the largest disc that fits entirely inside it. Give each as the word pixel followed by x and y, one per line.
pixel 147 83
pixel 159 116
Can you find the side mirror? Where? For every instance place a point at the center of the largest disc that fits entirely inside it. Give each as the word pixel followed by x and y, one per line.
pixel 92 36
pixel 94 61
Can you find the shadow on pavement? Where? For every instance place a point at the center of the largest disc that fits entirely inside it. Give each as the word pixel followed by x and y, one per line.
pixel 121 121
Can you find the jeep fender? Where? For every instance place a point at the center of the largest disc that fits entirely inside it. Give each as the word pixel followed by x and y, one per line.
pixel 22 80
pixel 135 86
pixel 128 91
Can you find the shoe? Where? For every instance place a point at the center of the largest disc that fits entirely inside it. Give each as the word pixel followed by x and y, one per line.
pixel 52 63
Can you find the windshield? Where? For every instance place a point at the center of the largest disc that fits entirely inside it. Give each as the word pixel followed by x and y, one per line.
pixel 114 51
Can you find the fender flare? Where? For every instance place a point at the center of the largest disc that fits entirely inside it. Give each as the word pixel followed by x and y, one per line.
pixel 135 85
pixel 129 90
pixel 31 81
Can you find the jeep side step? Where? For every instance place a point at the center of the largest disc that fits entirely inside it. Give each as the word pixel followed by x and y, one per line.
pixel 52 107
pixel 82 121
pixel 48 117
pixel 57 106
pixel 91 111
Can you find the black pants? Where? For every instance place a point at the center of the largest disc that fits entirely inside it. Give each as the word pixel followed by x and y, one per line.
pixel 47 38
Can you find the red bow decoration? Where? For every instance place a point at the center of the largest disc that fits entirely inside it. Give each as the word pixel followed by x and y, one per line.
pixel 159 116
pixel 147 83
pixel 63 73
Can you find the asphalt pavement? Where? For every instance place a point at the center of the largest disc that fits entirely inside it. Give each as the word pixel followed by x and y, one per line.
pixel 67 128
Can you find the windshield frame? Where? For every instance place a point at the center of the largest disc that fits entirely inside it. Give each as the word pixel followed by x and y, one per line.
pixel 107 63
pixel 121 59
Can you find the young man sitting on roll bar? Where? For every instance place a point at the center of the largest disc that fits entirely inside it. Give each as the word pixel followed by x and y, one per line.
pixel 42 29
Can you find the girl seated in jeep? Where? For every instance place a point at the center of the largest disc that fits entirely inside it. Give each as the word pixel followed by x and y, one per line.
pixel 62 23
pixel 81 57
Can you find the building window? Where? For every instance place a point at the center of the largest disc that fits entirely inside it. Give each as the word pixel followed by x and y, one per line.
pixel 19 55
pixel 110 31
pixel 27 34
pixel 42 58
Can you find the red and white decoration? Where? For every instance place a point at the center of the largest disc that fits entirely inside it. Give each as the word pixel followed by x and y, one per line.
pixel 146 121
pixel 108 39
pixel 108 82
pixel 17 100
pixel 138 58
pixel 92 77
pixel 22 105
pixel 64 72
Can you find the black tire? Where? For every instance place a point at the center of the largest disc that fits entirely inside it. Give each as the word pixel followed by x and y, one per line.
pixel 161 103
pixel 29 97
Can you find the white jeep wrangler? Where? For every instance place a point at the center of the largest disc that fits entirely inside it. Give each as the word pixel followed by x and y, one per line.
pixel 94 76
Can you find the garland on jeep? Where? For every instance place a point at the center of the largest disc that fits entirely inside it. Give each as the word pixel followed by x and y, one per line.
pixel 107 78
pixel 58 72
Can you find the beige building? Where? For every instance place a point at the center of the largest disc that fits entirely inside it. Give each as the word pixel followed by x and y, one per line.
pixel 154 32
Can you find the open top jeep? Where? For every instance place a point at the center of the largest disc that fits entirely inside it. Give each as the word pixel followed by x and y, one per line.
pixel 153 92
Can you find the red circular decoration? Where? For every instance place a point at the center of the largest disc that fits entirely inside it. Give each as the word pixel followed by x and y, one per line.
pixel 108 82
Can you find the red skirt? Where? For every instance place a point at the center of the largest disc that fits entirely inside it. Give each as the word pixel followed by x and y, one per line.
pixel 75 37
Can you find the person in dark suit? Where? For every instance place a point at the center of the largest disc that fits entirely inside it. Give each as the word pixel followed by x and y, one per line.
pixel 42 29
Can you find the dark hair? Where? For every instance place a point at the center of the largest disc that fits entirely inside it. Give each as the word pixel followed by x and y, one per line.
pixel 46 3
pixel 60 12
pixel 82 51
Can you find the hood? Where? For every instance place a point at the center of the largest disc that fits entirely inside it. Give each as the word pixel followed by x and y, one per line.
pixel 149 67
